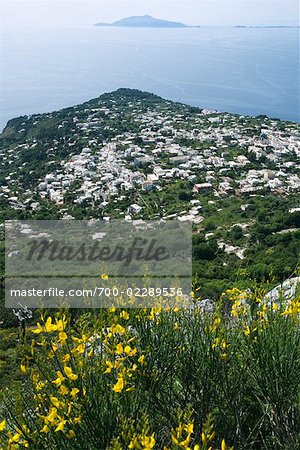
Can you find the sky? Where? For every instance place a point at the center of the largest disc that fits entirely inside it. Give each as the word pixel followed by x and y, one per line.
pixel 198 12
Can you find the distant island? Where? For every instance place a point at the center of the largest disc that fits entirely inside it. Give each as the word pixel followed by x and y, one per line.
pixel 266 26
pixel 143 22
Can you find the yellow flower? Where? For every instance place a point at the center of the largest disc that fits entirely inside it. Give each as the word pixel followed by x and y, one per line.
pixel 212 436
pixel 70 406
pixel 216 343
pixel 247 331
pixel 49 326
pixel 104 276
pixel 176 326
pixel 61 324
pixel 40 385
pixel 119 349
pixel 62 337
pixel 79 349
pixel 147 442
pixel 69 373
pixel 127 349
pixel 45 429
pixel 223 445
pixel 23 369
pixel 39 329
pixel 124 315
pixel 2 425
pixel 142 442
pixel 174 439
pixel 119 386
pixel 54 348
pixel 60 378
pixel 141 359
pixel 60 426
pixel 25 428
pixel 66 358
pixel 117 329
pixel 110 366
pixel 130 389
pixel 74 392
pixel 52 415
pixel 71 434
pixel 133 444
pixel 293 309
pixel 84 338
pixel 224 345
pixel 190 428
pixel 217 321
pixel 55 401
pixel 16 437
pixel 64 390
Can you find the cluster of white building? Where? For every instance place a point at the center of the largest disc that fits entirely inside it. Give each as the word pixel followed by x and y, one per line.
pixel 211 150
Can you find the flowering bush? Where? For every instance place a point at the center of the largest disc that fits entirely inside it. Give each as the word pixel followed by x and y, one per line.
pixel 166 379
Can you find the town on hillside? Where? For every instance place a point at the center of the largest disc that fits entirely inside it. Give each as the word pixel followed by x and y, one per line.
pixel 132 155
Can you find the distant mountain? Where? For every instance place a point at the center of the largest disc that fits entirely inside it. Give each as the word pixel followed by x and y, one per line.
pixel 267 26
pixel 143 22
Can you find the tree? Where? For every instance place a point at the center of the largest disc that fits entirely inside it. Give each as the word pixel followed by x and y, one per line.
pixel 184 195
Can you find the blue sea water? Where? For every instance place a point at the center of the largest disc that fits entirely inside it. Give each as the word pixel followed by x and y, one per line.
pixel 248 71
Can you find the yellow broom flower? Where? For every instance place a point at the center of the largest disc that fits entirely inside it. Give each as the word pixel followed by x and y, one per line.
pixel 2 425
pixel 69 373
pixel 119 386
pixel 74 392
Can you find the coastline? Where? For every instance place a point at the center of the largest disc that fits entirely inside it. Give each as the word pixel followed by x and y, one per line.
pixel 221 111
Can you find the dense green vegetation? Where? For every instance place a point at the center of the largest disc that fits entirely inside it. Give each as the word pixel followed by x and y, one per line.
pixel 171 380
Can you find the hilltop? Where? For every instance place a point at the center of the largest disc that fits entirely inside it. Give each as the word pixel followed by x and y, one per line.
pixel 133 155
pixel 143 22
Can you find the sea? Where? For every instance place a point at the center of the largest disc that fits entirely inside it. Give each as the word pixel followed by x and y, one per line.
pixel 250 71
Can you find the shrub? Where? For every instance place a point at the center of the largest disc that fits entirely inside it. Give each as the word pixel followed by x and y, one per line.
pixel 154 378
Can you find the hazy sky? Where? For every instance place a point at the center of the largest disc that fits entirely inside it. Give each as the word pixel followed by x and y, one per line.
pixel 198 12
